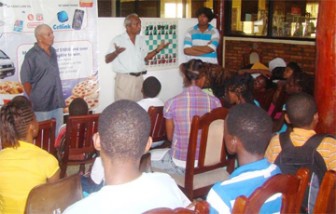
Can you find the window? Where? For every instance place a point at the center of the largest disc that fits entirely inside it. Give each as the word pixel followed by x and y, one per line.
pixel 295 19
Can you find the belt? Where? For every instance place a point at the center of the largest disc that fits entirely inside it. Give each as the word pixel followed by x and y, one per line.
pixel 138 74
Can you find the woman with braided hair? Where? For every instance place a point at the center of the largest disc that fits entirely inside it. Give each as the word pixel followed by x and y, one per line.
pixel 23 165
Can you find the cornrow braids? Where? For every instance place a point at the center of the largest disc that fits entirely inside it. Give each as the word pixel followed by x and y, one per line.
pixel 14 122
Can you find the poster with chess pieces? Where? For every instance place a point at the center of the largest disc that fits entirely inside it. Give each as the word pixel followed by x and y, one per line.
pixel 155 31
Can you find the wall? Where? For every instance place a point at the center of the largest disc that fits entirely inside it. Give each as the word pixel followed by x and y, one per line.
pixel 170 79
pixel 302 52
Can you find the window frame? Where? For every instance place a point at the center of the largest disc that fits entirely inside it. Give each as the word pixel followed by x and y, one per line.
pixel 228 23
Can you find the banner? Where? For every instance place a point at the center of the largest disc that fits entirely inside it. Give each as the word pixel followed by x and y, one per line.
pixel 74 23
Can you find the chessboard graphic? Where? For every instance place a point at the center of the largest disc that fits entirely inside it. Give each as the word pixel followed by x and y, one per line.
pixel 157 31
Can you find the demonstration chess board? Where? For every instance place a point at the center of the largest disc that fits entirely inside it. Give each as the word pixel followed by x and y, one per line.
pixel 156 31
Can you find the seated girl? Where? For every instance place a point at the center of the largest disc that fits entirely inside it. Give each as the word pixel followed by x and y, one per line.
pixel 23 165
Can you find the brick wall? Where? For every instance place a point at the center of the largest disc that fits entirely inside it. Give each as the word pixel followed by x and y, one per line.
pixel 303 54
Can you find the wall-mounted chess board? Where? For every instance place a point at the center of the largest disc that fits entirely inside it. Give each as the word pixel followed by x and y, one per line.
pixel 157 31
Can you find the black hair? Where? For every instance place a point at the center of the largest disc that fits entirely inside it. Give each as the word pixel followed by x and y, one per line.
pixel 78 107
pixel 251 125
pixel 300 109
pixel 242 86
pixel 295 67
pixel 207 12
pixel 193 69
pixel 124 130
pixel 15 118
pixel 304 81
pixel 151 87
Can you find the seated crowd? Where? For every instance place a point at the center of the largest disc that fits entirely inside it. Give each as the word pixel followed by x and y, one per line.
pixel 123 137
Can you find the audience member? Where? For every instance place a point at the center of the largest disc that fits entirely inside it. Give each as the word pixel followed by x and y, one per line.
pixel 23 165
pixel 239 89
pixel 301 113
pixel 77 107
pixel 247 131
pixel 122 138
pixel 263 90
pixel 179 112
pixel 129 54
pixel 40 77
pixel 151 87
pixel 202 40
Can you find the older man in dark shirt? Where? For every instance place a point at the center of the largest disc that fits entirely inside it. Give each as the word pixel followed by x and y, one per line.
pixel 41 78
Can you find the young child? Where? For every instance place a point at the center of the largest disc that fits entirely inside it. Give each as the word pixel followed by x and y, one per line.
pixel 151 87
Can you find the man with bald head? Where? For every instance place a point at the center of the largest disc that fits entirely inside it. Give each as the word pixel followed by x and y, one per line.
pixel 41 78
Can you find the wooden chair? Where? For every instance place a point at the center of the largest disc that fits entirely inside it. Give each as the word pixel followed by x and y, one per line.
pixel 158 125
pixel 212 157
pixel 46 136
pixel 201 207
pixel 292 188
pixel 79 149
pixel 54 197
pixel 326 198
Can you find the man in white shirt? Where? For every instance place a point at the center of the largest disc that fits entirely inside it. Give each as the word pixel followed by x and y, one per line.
pixel 122 138
pixel 128 55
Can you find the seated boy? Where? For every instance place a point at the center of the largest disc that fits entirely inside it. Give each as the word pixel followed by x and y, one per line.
pixel 247 131
pixel 301 113
pixel 151 87
pixel 301 147
pixel 122 138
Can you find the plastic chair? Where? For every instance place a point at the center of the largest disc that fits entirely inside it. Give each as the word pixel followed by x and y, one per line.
pixel 54 197
pixel 79 149
pixel 212 156
pixel 326 198
pixel 292 188
pixel 46 136
pixel 201 207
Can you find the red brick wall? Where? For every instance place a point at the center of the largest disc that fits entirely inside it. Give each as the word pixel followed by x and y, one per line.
pixel 304 55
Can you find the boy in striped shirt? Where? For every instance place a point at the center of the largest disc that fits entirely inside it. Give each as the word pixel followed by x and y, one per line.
pixel 247 131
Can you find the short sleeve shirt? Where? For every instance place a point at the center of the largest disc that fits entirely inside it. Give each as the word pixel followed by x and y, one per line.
pixel 23 168
pixel 181 109
pixel 133 58
pixel 41 71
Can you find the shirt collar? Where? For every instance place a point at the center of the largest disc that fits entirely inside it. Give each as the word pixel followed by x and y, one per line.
pixel 254 166
pixel 209 27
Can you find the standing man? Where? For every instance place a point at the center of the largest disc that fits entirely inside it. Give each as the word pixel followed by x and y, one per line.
pixel 202 40
pixel 40 77
pixel 128 55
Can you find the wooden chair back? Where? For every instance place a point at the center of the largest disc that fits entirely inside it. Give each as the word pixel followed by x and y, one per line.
pixel 207 140
pixel 158 123
pixel 292 188
pixel 201 207
pixel 54 197
pixel 326 198
pixel 79 149
pixel 46 136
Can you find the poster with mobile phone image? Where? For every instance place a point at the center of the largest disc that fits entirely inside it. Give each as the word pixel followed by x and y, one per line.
pixel 77 19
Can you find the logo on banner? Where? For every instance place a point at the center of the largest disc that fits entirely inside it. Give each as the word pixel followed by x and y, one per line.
pixel 62 16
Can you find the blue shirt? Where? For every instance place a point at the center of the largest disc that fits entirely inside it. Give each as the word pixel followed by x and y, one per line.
pixel 243 181
pixel 210 37
pixel 41 71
